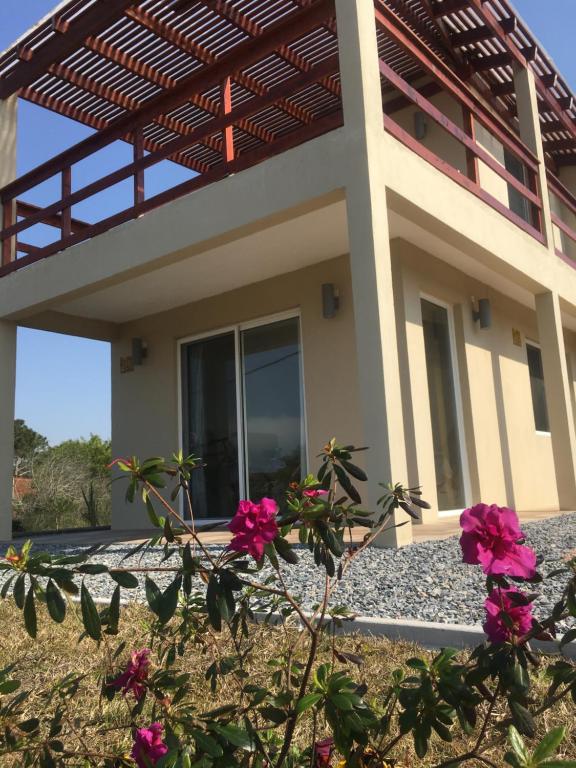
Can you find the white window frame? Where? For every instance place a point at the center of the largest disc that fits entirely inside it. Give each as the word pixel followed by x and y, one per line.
pixel 536 345
pixel 458 397
pixel 237 329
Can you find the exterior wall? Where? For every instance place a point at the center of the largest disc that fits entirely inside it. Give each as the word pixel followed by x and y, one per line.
pixel 437 139
pixel 145 402
pixel 509 462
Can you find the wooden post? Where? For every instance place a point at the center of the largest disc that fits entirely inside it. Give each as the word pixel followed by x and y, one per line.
pixel 139 191
pixel 471 158
pixel 66 215
pixel 228 132
pixel 8 243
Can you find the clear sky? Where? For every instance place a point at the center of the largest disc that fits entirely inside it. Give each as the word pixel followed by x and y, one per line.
pixel 63 383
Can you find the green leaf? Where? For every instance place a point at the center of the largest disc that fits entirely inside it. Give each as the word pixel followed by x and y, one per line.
pixel 549 744
pixel 517 743
pixel 124 579
pixel 285 550
pixel 307 702
pixel 207 744
pixel 169 601
pixel 568 637
pixel 55 602
pixel 93 569
pixel 114 613
pixel 19 591
pixel 9 686
pixel 90 616
pixel 212 603
pixel 153 595
pixel 353 470
pixel 30 620
pixel 234 735
pixel 558 764
pixel 154 519
pixel 523 719
pixel 6 587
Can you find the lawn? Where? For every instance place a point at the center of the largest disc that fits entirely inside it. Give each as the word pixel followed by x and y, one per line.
pixel 56 653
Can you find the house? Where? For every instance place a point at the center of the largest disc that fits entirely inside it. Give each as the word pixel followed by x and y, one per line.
pixel 370 233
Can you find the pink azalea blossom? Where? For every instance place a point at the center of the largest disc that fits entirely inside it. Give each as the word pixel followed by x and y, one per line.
pixel 323 752
pixel 254 526
pixel 314 494
pixel 148 746
pixel 520 615
pixel 134 676
pixel 490 536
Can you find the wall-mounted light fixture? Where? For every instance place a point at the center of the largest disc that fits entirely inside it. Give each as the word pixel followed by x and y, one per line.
pixel 420 125
pixel 330 301
pixel 139 351
pixel 483 314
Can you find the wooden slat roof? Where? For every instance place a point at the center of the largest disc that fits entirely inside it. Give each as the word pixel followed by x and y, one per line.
pixel 98 61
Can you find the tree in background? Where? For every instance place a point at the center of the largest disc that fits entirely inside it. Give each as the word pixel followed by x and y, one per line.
pixel 70 482
pixel 27 444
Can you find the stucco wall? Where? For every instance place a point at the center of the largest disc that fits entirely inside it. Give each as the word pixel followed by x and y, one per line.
pixel 508 461
pixel 144 402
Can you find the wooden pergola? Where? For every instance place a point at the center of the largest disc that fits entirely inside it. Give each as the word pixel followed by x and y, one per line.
pixel 219 85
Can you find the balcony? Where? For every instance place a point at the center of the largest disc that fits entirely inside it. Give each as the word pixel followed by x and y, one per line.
pixel 167 88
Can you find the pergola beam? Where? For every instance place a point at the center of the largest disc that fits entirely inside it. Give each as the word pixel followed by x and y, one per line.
pixel 184 43
pixel 95 19
pixel 166 82
pixel 238 59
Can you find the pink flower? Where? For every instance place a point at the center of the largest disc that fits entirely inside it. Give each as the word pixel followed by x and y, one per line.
pixel 148 746
pixel 519 613
pixel 490 538
pixel 314 494
pixel 136 673
pixel 323 752
pixel 254 526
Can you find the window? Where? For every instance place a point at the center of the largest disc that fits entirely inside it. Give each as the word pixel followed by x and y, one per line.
pixel 243 414
pixel 517 202
pixel 536 371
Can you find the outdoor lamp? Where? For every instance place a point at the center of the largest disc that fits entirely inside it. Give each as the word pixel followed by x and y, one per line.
pixel 330 301
pixel 483 313
pixel 139 351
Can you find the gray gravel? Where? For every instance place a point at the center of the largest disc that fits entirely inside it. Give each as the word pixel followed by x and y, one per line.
pixel 425 581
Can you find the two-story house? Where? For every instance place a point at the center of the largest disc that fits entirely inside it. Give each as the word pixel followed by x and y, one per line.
pixel 372 236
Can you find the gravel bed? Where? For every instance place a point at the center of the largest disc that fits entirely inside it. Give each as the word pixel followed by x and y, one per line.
pixel 425 581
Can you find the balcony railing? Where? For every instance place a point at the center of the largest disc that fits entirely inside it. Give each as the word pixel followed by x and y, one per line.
pixel 276 86
pixel 563 205
pixel 500 169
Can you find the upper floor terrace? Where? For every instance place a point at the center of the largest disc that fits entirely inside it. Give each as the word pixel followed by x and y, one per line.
pixel 209 88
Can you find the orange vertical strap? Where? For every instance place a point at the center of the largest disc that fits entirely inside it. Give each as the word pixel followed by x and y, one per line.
pixel 228 132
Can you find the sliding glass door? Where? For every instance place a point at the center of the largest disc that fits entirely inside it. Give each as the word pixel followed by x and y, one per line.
pixel 243 414
pixel 442 391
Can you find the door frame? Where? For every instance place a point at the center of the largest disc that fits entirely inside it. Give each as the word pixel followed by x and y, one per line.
pixel 464 462
pixel 237 329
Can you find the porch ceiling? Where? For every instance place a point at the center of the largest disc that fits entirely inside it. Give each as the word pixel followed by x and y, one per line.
pixel 299 242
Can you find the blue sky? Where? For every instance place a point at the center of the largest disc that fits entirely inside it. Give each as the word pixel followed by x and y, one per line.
pixel 63 383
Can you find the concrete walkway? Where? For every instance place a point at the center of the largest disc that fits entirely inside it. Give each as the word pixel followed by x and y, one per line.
pixel 443 529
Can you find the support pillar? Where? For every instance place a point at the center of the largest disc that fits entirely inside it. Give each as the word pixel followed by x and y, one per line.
pixel 558 397
pixel 7 402
pixel 370 257
pixel 531 135
pixel 8 124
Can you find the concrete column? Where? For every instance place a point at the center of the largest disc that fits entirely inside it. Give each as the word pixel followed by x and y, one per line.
pixel 558 397
pixel 531 135
pixel 8 114
pixel 7 398
pixel 370 258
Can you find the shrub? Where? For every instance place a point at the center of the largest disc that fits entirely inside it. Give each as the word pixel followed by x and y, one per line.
pixel 299 710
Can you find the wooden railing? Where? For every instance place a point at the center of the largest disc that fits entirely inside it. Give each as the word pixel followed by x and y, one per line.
pixel 566 242
pixel 474 111
pixel 19 216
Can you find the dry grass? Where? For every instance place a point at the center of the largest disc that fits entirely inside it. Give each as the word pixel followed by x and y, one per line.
pixel 56 653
